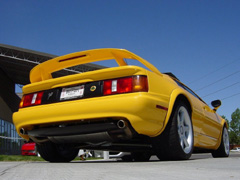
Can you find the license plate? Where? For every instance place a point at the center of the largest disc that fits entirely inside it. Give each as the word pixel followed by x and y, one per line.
pixel 72 92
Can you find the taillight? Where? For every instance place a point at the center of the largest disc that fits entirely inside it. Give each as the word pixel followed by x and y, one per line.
pixel 31 99
pixel 125 85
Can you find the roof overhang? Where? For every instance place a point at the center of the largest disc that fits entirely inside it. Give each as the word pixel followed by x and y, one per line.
pixel 17 63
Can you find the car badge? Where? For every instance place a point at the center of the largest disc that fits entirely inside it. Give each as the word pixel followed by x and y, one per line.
pixel 49 95
pixel 93 88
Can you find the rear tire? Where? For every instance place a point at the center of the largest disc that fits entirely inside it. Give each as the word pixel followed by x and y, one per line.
pixel 141 156
pixel 223 150
pixel 176 142
pixel 57 152
pixel 137 157
pixel 127 158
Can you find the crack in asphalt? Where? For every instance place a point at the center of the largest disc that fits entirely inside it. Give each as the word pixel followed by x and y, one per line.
pixel 9 168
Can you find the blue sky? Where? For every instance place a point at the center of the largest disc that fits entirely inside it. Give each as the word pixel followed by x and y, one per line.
pixel 197 40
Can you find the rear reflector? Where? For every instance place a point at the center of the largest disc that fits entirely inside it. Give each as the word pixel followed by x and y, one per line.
pixel 125 85
pixel 162 107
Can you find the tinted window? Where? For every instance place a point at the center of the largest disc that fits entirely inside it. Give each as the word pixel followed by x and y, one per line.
pixel 188 89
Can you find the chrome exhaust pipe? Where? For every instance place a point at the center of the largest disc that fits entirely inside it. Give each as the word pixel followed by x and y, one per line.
pixel 22 131
pixel 121 124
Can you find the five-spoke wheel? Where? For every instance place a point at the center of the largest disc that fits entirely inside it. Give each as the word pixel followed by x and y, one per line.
pixel 185 131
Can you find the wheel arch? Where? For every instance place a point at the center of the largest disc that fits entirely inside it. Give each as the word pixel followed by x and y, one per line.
pixel 170 145
pixel 184 99
pixel 176 97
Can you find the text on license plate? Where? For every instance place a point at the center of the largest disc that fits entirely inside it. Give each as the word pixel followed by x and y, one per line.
pixel 72 92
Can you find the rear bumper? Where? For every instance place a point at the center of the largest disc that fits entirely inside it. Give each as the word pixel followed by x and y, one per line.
pixel 83 133
pixel 140 109
pixel 28 153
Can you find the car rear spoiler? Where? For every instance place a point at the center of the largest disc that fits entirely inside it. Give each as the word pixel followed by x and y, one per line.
pixel 44 70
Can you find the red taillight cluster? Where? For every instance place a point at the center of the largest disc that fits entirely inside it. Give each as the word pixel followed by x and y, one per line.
pixel 125 85
pixel 31 99
pixel 110 87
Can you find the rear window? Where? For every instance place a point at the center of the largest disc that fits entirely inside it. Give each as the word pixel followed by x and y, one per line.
pixel 188 90
pixel 94 66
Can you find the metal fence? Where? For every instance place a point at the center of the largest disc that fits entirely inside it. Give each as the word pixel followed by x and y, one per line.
pixel 10 142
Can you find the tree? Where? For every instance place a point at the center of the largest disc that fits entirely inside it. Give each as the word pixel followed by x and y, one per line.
pixel 234 134
pixel 228 123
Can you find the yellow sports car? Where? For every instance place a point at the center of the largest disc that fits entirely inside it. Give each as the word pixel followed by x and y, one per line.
pixel 125 108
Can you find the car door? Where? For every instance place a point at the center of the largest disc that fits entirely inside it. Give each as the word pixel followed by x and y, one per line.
pixel 208 122
pixel 211 128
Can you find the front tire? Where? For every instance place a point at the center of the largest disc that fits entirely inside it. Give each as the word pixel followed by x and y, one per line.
pixel 176 142
pixel 57 152
pixel 223 150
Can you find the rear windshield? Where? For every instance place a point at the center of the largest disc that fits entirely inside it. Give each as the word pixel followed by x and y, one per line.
pixel 94 66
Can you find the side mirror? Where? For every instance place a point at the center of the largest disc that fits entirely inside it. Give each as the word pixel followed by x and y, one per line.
pixel 216 104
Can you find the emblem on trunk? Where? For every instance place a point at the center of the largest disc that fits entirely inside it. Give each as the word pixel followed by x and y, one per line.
pixel 93 88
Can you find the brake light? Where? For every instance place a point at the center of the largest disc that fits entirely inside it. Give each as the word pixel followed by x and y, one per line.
pixel 31 99
pixel 125 85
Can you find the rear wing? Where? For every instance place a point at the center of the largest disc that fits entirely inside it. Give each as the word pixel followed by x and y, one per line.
pixel 44 70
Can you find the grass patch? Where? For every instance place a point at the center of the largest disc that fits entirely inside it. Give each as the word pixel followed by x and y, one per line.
pixel 20 158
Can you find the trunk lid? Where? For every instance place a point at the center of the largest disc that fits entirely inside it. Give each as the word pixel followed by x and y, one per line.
pixel 83 78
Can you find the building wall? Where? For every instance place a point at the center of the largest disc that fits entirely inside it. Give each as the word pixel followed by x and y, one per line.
pixel 10 142
pixel 9 101
pixel 5 111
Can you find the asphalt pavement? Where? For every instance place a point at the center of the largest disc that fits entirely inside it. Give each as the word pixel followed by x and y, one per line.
pixel 199 167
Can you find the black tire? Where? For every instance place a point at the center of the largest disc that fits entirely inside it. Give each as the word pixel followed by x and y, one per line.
pixel 223 149
pixel 57 153
pixel 127 158
pixel 141 156
pixel 137 157
pixel 176 142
